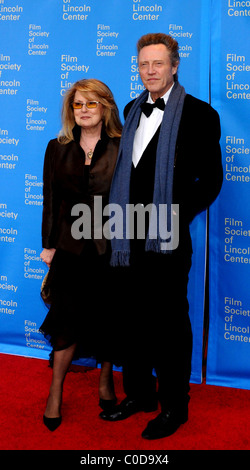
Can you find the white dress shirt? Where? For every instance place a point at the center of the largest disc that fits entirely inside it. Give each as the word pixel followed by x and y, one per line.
pixel 147 128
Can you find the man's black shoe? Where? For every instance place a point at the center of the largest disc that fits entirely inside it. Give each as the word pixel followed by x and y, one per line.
pixel 164 425
pixel 127 408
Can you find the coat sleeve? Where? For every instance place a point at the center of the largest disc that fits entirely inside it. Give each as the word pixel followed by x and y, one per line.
pixel 209 177
pixel 49 216
pixel 199 172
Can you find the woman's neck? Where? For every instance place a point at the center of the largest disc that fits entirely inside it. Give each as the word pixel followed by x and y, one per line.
pixel 88 141
pixel 92 132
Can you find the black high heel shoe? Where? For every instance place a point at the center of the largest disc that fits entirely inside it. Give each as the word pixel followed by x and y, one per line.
pixel 52 423
pixel 107 405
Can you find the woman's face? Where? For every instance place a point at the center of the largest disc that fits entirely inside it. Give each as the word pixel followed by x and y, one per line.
pixel 85 117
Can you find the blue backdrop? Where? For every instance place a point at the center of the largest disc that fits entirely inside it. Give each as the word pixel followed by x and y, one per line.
pixel 229 337
pixel 45 47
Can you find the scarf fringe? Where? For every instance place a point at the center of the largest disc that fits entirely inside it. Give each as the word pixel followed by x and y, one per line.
pixel 120 258
pixel 153 245
pixel 156 246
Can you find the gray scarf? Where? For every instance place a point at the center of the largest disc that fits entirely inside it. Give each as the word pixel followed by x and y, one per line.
pixel 164 170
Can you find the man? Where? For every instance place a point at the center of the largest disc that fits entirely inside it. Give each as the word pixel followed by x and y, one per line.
pixel 167 156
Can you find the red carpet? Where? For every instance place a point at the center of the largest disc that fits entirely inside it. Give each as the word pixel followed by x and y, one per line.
pixel 219 417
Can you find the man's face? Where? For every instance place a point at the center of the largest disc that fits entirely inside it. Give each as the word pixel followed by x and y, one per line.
pixel 155 69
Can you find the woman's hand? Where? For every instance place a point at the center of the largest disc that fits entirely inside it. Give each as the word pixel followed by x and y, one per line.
pixel 47 255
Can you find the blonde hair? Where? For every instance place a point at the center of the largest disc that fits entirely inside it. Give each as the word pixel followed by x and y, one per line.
pixel 104 95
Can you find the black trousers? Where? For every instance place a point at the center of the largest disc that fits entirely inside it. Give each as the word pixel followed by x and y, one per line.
pixel 156 329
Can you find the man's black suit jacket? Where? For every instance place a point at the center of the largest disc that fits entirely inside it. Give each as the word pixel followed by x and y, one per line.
pixel 198 170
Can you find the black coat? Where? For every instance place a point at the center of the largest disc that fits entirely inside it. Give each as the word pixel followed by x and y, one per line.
pixel 67 183
pixel 198 173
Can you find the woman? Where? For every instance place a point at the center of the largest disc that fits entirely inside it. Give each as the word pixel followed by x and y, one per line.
pixel 78 166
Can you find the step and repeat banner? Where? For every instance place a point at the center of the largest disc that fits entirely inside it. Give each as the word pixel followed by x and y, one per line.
pixel 45 47
pixel 229 333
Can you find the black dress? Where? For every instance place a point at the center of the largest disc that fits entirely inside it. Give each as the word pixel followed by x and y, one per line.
pixel 80 287
pixel 82 309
